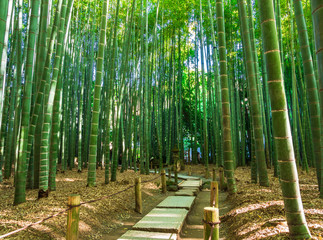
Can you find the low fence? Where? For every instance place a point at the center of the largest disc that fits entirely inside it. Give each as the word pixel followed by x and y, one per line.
pixel 73 212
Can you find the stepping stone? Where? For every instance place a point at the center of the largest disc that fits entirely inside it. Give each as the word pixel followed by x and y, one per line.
pixel 185 177
pixel 185 192
pixel 166 220
pixel 177 202
pixel 131 234
pixel 191 183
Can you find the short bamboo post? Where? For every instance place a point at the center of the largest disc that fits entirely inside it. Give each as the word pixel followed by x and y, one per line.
pixel 211 220
pixel 138 208
pixel 189 170
pixel 73 217
pixel 155 169
pixel 163 181
pixel 169 173
pixel 214 197
pixel 221 173
pixel 213 174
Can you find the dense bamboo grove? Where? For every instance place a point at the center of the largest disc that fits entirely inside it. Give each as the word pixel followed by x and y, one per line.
pixel 87 84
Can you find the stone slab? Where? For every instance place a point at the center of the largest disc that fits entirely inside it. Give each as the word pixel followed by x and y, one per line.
pixel 167 220
pixel 184 192
pixel 186 177
pixel 132 234
pixel 177 202
pixel 191 183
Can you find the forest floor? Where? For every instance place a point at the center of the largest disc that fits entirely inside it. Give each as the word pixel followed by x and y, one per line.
pixel 257 212
pixel 98 220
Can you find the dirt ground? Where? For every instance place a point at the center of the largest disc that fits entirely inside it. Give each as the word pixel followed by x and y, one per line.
pixel 258 212
pixel 97 220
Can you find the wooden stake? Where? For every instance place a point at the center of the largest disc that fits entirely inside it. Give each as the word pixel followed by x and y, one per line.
pixel 73 217
pixel 138 208
pixel 189 170
pixel 155 170
pixel 214 197
pixel 214 176
pixel 163 181
pixel 211 216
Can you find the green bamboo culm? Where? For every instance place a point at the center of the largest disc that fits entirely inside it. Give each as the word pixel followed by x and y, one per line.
pixel 226 119
pixel 49 102
pixel 6 12
pixel 21 173
pixel 317 16
pixel 91 180
pixel 296 221
pixel 312 90
pixel 254 101
pixel 147 102
pixel 205 128
pixel 3 52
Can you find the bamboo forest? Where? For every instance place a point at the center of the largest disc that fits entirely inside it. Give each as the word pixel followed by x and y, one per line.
pixel 161 119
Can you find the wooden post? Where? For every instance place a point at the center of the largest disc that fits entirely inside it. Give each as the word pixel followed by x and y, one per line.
pixel 214 197
pixel 221 173
pixel 155 169
pixel 211 215
pixel 138 208
pixel 190 170
pixel 73 217
pixel 213 175
pixel 163 181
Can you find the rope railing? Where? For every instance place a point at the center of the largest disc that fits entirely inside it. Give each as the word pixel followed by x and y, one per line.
pixel 70 207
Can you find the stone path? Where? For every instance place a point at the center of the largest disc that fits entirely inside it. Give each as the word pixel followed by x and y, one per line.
pixel 167 219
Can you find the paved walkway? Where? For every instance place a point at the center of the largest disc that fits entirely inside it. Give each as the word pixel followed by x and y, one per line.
pixel 167 220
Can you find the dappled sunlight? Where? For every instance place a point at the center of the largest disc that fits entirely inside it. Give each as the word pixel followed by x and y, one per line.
pixel 67 180
pixel 314 211
pixel 256 206
pixel 146 192
pixel 247 229
pixel 89 206
pixel 259 212
pixel 98 218
pixel 84 227
pixel 264 190
pixel 269 231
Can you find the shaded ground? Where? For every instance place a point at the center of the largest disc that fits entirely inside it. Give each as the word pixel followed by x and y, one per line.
pixel 259 211
pixel 97 220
